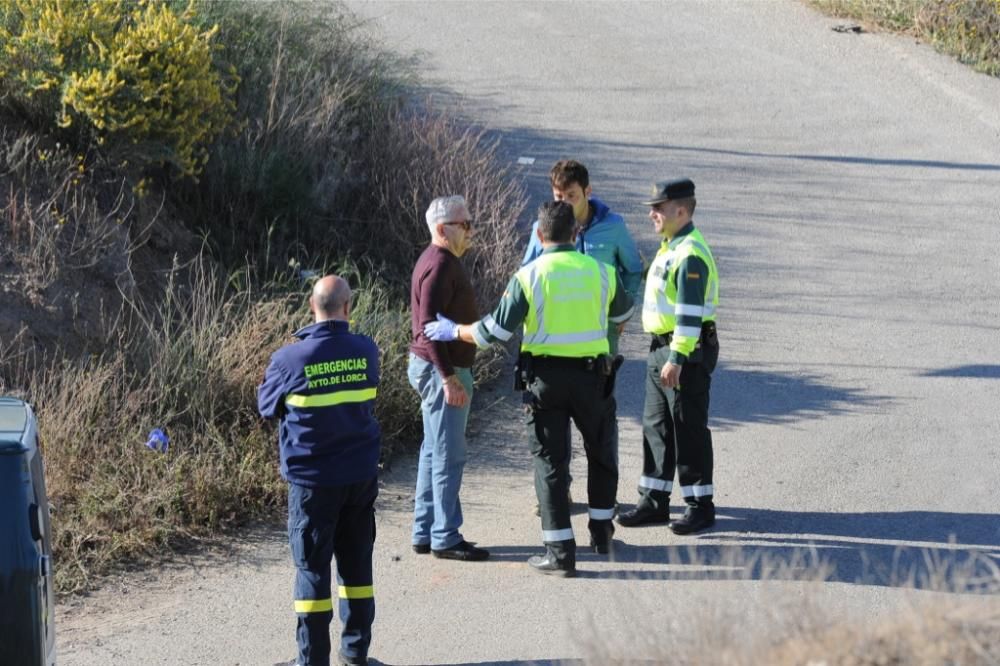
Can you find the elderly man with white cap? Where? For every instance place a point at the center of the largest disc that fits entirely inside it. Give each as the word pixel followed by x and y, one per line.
pixel 441 372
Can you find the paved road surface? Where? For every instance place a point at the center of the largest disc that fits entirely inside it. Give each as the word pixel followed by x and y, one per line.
pixel 849 185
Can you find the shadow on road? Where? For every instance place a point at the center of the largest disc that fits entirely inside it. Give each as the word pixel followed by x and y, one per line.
pixel 514 662
pixel 947 552
pixel 836 159
pixel 981 371
pixel 762 396
pixel 741 396
pixel 544 662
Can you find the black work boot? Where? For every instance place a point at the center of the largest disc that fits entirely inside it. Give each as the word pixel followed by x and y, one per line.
pixel 695 519
pixel 644 514
pixel 552 565
pixel 601 533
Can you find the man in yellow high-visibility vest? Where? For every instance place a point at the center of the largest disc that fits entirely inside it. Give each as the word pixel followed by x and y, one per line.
pixel 565 302
pixel 682 294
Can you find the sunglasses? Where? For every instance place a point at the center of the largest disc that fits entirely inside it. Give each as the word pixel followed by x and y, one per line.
pixel 465 224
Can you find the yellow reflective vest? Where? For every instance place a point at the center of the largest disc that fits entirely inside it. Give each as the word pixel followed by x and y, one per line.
pixel 661 311
pixel 568 296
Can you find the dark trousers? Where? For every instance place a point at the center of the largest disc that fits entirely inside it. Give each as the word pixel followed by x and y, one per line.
pixel 323 524
pixel 563 390
pixel 675 433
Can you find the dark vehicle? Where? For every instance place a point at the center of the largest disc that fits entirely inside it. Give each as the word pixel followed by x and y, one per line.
pixel 27 603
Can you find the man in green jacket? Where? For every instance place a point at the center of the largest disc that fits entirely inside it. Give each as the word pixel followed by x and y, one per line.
pixel 682 294
pixel 565 302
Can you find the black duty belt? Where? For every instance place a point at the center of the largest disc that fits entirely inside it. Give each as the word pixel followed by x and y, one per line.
pixel 586 363
pixel 663 339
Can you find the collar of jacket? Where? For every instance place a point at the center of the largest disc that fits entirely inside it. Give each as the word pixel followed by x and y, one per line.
pixel 328 327
pixel 676 240
pixel 601 211
pixel 562 247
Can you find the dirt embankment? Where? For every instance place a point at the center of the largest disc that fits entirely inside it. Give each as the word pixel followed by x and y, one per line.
pixel 78 252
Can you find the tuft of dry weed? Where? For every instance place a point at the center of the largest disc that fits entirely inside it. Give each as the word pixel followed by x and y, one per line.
pixel 949 614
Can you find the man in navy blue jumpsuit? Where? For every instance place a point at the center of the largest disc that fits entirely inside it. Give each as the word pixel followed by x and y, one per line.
pixel 322 388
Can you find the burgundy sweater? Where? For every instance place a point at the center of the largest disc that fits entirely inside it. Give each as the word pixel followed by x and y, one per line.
pixel 441 285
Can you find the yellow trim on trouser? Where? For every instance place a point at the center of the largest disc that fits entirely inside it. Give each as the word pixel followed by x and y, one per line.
pixel 328 399
pixel 313 605
pixel 356 592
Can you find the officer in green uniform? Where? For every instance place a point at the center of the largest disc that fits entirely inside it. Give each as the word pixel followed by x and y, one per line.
pixel 565 301
pixel 682 293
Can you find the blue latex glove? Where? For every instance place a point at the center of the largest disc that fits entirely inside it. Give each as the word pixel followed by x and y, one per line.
pixel 442 330
pixel 158 441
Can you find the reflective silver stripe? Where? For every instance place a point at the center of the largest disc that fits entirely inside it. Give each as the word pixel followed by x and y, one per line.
pixel 603 268
pixel 495 329
pixel 557 535
pixel 687 491
pixel 623 317
pixel 655 484
pixel 709 309
pixel 478 336
pixel 542 338
pixel 538 296
pixel 691 241
pixel 601 514
pixel 682 309
pixel 704 491
pixel 687 331
pixel 657 285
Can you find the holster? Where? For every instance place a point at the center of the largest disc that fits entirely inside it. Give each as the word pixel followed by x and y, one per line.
pixel 614 364
pixel 524 371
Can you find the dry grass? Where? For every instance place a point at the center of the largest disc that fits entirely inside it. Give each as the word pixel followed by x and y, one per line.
pixel 55 223
pixel 330 169
pixel 191 367
pixel 187 368
pixel 946 611
pixel 966 29
pixel 930 634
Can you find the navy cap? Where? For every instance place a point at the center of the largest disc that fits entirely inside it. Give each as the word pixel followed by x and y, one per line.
pixel 682 188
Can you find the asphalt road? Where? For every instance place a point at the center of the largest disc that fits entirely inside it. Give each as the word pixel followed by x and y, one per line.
pixel 849 186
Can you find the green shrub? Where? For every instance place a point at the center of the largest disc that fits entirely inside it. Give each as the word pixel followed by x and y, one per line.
pixel 135 78
pixel 309 86
pixel 335 158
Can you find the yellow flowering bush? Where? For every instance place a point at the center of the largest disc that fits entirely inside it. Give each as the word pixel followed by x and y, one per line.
pixel 136 78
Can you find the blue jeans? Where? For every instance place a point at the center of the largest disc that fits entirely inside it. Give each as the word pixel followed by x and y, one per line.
pixel 437 510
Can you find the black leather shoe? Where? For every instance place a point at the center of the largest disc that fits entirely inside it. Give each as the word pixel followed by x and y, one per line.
pixel 693 520
pixel 549 564
pixel 421 548
pixel 643 515
pixel 352 661
pixel 463 550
